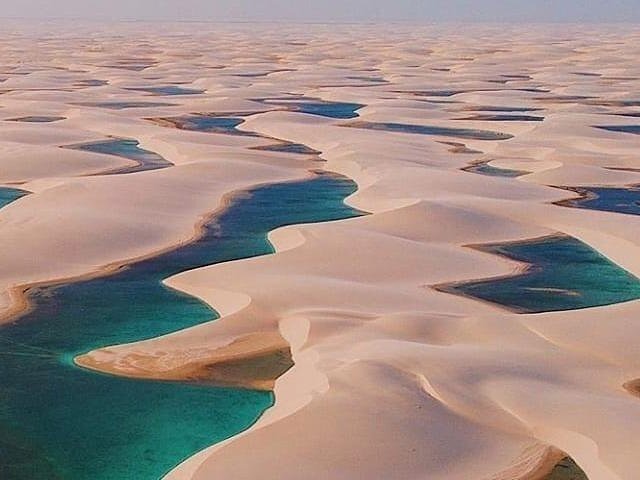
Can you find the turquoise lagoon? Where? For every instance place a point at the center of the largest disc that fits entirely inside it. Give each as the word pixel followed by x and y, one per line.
pixel 58 421
pixel 8 195
pixel 565 274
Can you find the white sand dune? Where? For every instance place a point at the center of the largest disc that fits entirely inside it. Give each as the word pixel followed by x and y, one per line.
pixel 392 378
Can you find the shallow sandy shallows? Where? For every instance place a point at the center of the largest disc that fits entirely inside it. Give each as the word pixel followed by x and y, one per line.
pixel 393 379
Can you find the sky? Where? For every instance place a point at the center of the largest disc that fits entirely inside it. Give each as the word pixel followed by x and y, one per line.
pixel 330 10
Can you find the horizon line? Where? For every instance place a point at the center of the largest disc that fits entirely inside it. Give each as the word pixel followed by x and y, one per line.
pixel 327 22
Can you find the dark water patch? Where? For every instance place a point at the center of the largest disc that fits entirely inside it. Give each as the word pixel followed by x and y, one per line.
pixel 615 103
pixel 606 199
pixel 563 274
pixel 630 114
pixel 125 148
pixel 432 93
pixel 528 90
pixel 10 90
pixel 288 147
pixel 36 119
pixel 587 74
pixel 377 80
pixel 468 133
pixel 451 93
pixel 135 65
pixel 560 99
pixel 168 90
pixel 9 195
pixel 91 83
pixel 503 118
pixel 634 129
pixel 311 106
pixel 206 123
pixel 633 387
pixel 76 424
pixel 623 169
pixel 125 105
pixel 492 108
pixel 566 469
pixel 484 168
pixel 264 74
pixel 517 77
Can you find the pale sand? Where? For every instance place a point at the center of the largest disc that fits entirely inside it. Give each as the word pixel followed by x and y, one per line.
pixel 392 379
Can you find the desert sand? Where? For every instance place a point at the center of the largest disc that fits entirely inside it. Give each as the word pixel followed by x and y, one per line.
pixel 392 378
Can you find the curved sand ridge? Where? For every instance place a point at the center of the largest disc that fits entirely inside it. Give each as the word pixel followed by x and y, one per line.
pixel 392 379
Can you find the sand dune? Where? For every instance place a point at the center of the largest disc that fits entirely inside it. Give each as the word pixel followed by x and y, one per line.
pixel 392 378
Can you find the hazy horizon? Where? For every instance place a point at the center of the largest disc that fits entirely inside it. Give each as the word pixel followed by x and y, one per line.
pixel 330 11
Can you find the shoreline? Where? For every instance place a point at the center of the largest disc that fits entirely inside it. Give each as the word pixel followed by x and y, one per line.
pixel 18 294
pixel 520 268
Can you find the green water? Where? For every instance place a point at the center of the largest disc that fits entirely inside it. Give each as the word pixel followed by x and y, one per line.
pixel 58 421
pixel 484 168
pixel 566 275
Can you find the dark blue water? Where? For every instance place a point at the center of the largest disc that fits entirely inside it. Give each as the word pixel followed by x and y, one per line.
pixel 36 119
pixel 340 110
pixel 147 160
pixel 212 124
pixel 635 129
pixel 607 199
pixel 169 90
pixel 329 109
pixel 467 133
pixel 566 274
pixel 58 421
